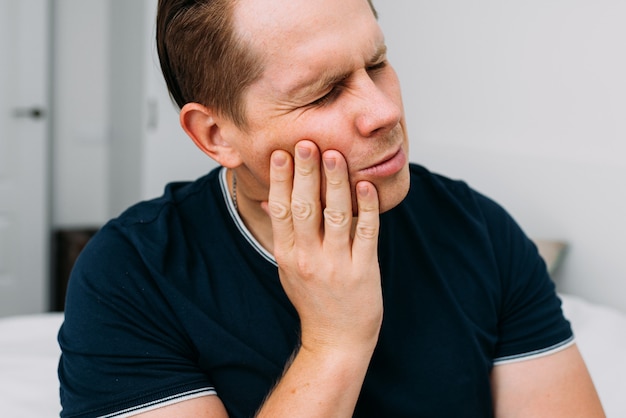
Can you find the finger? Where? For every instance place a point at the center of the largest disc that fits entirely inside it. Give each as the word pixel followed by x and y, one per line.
pixel 365 243
pixel 338 210
pixel 305 198
pixel 279 201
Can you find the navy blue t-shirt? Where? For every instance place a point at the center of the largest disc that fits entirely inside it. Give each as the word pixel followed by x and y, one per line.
pixel 175 299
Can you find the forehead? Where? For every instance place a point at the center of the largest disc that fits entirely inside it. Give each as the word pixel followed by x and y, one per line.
pixel 296 37
pixel 258 16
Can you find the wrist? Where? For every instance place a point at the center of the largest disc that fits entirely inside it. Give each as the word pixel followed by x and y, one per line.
pixel 335 353
pixel 337 364
pixel 351 339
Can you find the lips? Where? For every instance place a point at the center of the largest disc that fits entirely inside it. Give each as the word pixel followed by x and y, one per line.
pixel 388 166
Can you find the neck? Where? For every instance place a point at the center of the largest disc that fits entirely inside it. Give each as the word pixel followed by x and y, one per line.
pixel 251 211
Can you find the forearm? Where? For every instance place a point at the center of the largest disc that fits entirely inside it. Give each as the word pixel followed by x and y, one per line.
pixel 318 384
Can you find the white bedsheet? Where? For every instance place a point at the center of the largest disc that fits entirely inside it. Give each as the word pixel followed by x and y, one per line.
pixel 28 366
pixel 29 356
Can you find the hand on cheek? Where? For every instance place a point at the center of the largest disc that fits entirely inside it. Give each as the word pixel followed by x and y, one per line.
pixel 331 276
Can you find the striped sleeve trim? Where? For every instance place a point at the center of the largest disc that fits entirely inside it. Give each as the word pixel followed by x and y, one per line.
pixel 170 400
pixel 535 354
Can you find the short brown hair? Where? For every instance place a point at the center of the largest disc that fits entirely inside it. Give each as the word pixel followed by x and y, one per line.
pixel 202 58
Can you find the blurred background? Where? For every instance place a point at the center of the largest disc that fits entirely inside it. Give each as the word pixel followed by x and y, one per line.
pixel 526 101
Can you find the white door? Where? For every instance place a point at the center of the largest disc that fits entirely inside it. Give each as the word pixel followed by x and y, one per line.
pixel 24 150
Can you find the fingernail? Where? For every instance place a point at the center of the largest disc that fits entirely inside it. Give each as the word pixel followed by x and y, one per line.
pixel 279 160
pixel 363 190
pixel 330 163
pixel 303 152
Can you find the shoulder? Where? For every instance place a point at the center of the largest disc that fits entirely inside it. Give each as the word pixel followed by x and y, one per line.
pixel 439 195
pixel 177 196
pixel 144 243
pixel 466 228
pixel 152 223
pixel 456 211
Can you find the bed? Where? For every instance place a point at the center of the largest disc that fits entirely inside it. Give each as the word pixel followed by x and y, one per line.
pixel 29 355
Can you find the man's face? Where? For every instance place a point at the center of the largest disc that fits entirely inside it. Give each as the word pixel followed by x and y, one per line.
pixel 325 79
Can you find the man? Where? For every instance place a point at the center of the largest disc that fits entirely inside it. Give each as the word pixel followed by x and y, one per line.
pixel 316 273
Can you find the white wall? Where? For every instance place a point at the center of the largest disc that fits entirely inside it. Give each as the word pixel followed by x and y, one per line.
pixel 80 113
pixel 525 101
pixel 169 154
pixel 116 134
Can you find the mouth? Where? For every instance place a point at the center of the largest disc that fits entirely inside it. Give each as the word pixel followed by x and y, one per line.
pixel 388 166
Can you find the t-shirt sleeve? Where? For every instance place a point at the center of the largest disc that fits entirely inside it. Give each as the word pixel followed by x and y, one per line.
pixel 531 322
pixel 123 349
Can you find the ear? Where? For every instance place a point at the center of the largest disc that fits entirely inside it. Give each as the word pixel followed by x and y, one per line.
pixel 202 125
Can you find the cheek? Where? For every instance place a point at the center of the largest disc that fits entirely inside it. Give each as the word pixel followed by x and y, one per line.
pixel 256 153
pixel 330 129
pixel 257 161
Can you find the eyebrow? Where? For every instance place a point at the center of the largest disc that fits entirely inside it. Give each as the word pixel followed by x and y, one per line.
pixel 327 79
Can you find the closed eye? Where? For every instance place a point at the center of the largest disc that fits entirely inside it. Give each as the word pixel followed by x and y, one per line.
pixel 335 91
pixel 328 97
pixel 376 67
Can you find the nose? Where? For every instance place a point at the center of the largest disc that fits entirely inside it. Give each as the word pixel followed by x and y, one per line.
pixel 379 104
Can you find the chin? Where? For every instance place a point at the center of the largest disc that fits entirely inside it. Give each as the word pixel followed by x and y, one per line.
pixel 391 191
pixel 388 201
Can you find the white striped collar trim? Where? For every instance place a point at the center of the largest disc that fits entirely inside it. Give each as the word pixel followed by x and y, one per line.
pixel 228 199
